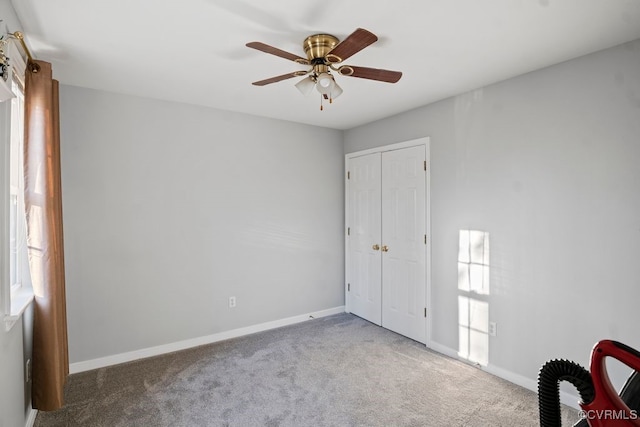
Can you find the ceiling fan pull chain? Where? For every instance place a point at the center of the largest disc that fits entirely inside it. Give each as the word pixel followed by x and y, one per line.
pixel 321 107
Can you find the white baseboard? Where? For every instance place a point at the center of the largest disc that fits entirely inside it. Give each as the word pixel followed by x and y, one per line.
pixel 209 339
pixel 443 349
pixel 528 383
pixel 31 418
pixel 531 384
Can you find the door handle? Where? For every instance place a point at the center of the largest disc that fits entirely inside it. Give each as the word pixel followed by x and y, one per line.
pixel 376 247
pixel 385 248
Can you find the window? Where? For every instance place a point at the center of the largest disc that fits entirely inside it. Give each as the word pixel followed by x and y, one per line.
pixel 15 285
pixel 17 234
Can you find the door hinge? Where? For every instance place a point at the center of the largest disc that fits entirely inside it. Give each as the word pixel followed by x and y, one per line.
pixel 348 175
pixel 425 312
pixel 348 231
pixel 425 165
pixel 425 239
pixel 348 287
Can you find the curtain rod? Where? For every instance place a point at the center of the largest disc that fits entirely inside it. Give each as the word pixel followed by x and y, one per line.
pixel 20 37
pixel 31 64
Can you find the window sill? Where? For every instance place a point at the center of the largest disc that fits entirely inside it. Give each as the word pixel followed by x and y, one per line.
pixel 20 300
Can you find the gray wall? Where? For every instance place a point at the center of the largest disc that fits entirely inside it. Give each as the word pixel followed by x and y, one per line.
pixel 12 384
pixel 548 164
pixel 170 209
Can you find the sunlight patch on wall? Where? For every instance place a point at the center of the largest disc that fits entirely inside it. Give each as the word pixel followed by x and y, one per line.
pixel 473 287
pixel 473 326
pixel 473 262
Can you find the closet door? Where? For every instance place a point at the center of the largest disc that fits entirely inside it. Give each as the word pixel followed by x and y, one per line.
pixel 364 256
pixel 404 242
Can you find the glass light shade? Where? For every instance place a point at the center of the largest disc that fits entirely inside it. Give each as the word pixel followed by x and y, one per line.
pixel 336 91
pixel 305 86
pixel 325 83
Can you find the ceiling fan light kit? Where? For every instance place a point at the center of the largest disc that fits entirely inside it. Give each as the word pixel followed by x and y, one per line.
pixel 323 52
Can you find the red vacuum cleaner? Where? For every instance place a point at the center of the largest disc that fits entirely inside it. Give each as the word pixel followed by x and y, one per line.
pixel 601 405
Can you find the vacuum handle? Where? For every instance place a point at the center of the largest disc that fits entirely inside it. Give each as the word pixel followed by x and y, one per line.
pixel 608 348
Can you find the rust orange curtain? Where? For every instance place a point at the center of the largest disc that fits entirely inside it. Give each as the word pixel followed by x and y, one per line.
pixel 43 206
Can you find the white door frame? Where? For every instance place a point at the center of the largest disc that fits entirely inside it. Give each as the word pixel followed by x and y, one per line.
pixel 425 142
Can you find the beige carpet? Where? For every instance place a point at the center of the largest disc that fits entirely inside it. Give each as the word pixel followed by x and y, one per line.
pixel 335 371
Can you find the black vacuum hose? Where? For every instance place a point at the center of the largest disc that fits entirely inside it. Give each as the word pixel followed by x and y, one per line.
pixel 549 379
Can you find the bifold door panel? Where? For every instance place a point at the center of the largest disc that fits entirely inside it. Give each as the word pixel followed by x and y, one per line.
pixel 403 234
pixel 364 237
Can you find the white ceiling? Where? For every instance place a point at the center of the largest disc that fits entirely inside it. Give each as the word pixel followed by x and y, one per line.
pixel 193 51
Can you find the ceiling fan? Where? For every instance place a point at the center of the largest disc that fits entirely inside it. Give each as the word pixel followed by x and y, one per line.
pixel 324 53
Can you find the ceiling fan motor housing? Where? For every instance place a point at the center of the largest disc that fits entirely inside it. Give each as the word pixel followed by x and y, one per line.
pixel 318 46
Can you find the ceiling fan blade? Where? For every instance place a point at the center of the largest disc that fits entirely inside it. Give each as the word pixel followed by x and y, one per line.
pixel 372 73
pixel 276 79
pixel 277 52
pixel 353 44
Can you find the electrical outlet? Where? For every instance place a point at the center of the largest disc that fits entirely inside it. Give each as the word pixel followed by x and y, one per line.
pixel 493 329
pixel 232 302
pixel 27 371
